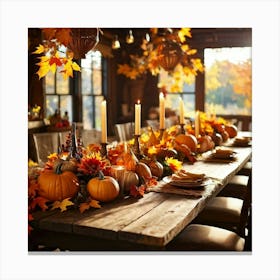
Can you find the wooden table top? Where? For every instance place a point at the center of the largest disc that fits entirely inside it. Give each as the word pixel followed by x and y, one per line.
pixel 153 220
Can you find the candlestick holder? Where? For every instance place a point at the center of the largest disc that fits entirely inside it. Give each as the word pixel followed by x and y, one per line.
pixel 103 150
pixel 182 128
pixel 136 147
pixel 161 131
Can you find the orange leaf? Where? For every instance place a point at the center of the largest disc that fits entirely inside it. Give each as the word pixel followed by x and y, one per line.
pixel 137 191
pixel 40 201
pixel 86 205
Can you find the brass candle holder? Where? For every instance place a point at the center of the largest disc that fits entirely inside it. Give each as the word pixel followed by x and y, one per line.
pixel 182 128
pixel 161 131
pixel 103 150
pixel 136 147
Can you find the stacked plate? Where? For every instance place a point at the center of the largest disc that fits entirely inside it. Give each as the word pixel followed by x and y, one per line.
pixel 223 153
pixel 186 179
pixel 242 142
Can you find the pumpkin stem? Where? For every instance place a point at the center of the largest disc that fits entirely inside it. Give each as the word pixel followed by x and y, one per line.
pixel 58 168
pixel 100 175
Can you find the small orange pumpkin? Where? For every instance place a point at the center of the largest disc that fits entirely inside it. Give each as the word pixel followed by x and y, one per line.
pixel 103 188
pixel 232 130
pixel 58 185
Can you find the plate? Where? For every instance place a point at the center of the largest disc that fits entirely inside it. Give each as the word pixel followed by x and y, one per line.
pixel 223 156
pixel 185 183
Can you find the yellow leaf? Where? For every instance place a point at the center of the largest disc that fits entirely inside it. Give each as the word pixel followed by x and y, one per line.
pixel 53 68
pixel 76 67
pixel 40 49
pixel 43 70
pixel 62 204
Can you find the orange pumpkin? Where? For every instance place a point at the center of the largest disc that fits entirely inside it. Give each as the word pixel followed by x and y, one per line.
pixel 166 152
pixel 231 129
pixel 58 185
pixel 187 139
pixel 103 188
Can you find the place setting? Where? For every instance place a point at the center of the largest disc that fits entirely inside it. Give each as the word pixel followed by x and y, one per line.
pixel 185 183
pixel 221 155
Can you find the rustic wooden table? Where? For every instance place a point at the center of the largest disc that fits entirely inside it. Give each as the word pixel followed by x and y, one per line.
pixel 131 224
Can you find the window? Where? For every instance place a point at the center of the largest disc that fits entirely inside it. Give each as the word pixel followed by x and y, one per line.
pixel 228 82
pixel 172 99
pixel 92 89
pixel 57 93
pixel 60 93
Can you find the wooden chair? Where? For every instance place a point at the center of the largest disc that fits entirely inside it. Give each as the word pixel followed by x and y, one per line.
pixel 90 136
pixel 45 144
pixel 237 187
pixel 197 237
pixel 228 212
pixel 124 131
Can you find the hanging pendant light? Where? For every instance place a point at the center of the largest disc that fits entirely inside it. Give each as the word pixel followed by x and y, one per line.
pixel 83 40
pixel 130 38
pixel 116 43
pixel 170 54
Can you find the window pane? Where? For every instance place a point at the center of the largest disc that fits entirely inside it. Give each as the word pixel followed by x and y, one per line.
pixel 66 105
pixel 86 81
pixel 97 82
pixel 88 112
pixel 62 85
pixel 228 78
pixel 51 104
pixel 98 100
pixel 172 101
pixel 49 83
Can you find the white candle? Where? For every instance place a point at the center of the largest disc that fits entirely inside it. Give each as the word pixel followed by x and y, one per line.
pixel 197 124
pixel 161 111
pixel 137 118
pixel 182 113
pixel 103 122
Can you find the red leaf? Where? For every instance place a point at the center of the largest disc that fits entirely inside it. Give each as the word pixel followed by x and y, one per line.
pixel 40 201
pixel 137 191
pixel 55 60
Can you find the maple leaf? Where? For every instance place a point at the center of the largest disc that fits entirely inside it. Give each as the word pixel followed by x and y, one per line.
pixel 43 71
pixel 33 186
pixel 76 67
pixel 62 204
pixel 86 205
pixel 41 202
pixel 40 49
pixel 137 191
pixel 55 60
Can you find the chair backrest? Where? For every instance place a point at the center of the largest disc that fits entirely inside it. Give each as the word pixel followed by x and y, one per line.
pixel 124 131
pixel 90 136
pixel 46 144
pixel 246 208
